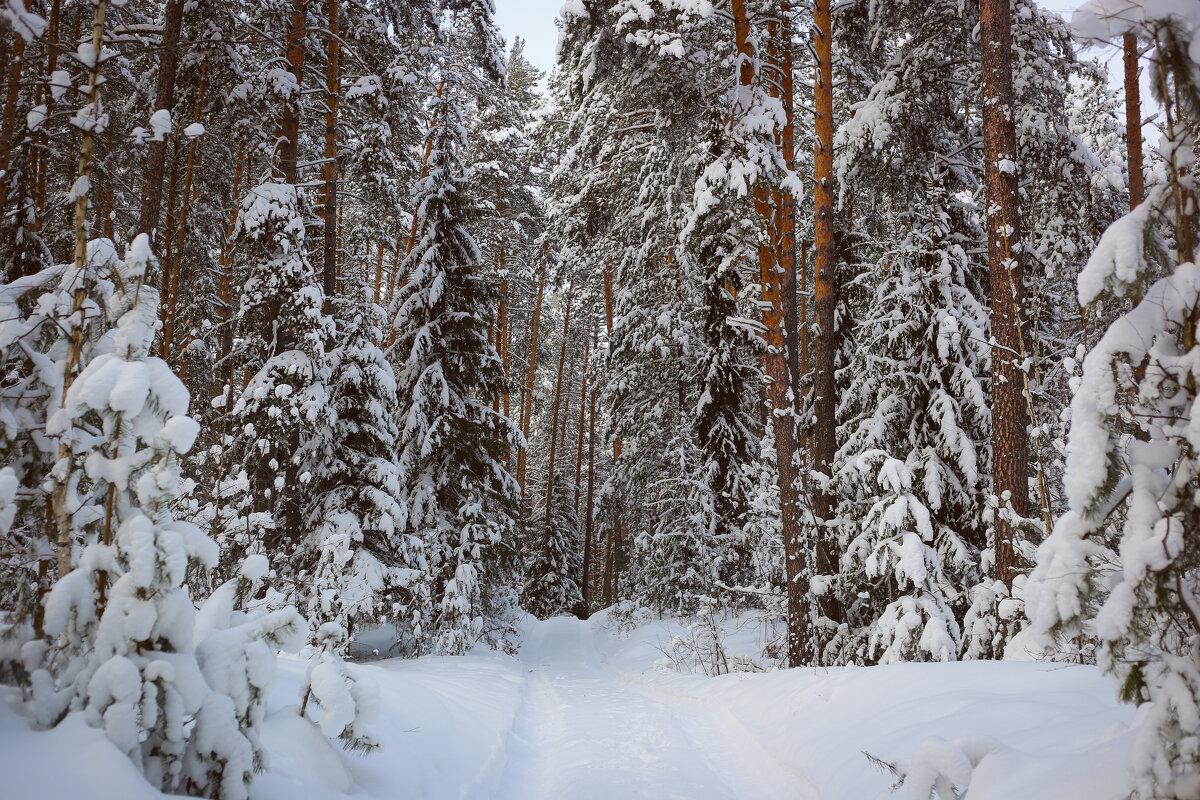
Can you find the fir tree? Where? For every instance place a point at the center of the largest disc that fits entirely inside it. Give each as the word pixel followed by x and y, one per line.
pixel 912 463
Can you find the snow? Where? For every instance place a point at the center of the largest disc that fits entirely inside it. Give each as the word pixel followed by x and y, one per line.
pixel 583 711
pixel 160 124
pixel 29 25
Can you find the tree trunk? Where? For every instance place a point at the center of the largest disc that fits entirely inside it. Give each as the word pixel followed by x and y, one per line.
pixel 16 60
pixel 225 314
pixel 1133 123
pixel 170 298
pixel 616 536
pixel 583 382
pixel 824 270
pixel 289 125
pixel 589 536
pixel 502 310
pixel 333 98
pixel 804 365
pixel 164 99
pixel 562 361
pixel 527 398
pixel 225 278
pixel 800 649
pixel 62 477
pixel 1009 414
pixel 378 272
pixel 785 208
pixel 41 157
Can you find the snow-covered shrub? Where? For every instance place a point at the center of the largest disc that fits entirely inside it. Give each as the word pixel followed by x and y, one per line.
pixel 122 644
pixel 127 655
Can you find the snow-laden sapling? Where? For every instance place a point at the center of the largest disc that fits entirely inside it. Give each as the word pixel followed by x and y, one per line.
pixel 1142 375
pixel 124 617
pixel 346 703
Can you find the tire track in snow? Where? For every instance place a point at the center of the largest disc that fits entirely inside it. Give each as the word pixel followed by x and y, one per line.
pixel 585 732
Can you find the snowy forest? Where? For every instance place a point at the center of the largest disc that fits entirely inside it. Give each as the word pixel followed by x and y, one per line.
pixel 384 416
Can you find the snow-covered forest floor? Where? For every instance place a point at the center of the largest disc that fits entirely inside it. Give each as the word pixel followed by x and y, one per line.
pixel 594 710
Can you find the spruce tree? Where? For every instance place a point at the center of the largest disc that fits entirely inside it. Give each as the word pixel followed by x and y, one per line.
pixel 461 500
pixel 368 567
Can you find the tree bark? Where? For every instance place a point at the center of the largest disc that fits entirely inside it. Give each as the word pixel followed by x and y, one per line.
pixel 164 99
pixel 800 648
pixel 562 360
pixel 1009 414
pixel 378 272
pixel 333 98
pixel 16 61
pixel 583 383
pixel 170 298
pixel 785 204
pixel 589 536
pixel 502 309
pixel 62 478
pixel 824 442
pixel 1133 123
pixel 527 398
pixel 289 126
pixel 41 158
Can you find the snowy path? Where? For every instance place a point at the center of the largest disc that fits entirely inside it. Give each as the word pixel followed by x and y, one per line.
pixel 585 732
pixel 581 714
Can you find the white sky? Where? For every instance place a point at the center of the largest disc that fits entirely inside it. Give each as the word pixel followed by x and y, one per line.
pixel 532 20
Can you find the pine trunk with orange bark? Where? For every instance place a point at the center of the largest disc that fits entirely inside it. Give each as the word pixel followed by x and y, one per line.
pixel 1009 414
pixel 824 276
pixel 767 200
pixel 289 124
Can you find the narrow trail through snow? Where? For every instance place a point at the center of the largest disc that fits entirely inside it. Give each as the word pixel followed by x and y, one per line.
pixel 584 732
